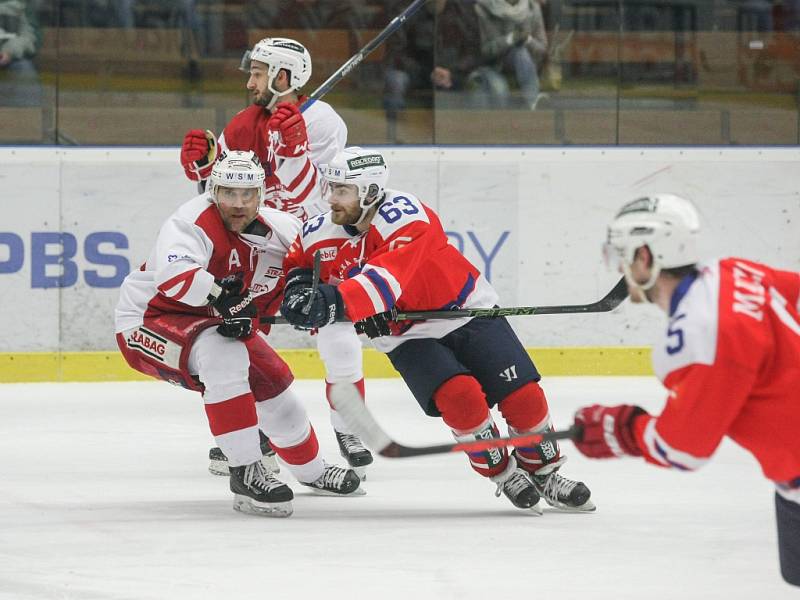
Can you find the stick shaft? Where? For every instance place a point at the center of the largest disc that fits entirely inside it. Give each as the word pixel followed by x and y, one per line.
pixel 609 302
pixel 359 56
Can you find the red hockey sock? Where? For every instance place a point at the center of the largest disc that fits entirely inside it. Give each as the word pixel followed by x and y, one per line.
pixel 525 408
pixel 302 453
pixel 232 415
pixel 526 411
pixel 462 403
pixel 463 406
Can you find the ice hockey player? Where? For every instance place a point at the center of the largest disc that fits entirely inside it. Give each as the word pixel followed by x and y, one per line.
pixel 187 317
pixel 292 146
pixel 730 359
pixel 385 249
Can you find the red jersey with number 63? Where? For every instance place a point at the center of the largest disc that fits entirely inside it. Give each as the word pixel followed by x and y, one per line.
pixel 403 260
pixel 730 359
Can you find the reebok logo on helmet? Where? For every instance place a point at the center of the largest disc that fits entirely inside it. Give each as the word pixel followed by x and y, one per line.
pixel 373 160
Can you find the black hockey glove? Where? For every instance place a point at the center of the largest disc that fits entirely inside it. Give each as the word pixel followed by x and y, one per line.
pixel 297 279
pixel 375 326
pixel 308 310
pixel 235 305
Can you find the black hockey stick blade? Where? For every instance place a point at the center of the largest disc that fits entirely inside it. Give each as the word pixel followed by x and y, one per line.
pixel 348 403
pixel 607 303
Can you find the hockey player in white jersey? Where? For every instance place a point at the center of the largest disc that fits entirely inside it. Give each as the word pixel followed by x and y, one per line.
pixel 189 316
pixel 292 146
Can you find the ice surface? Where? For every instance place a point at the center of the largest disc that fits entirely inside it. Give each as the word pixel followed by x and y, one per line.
pixel 104 494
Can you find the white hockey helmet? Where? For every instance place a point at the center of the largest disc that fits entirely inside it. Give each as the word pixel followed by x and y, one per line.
pixel 237 169
pixel 363 168
pixel 667 224
pixel 281 53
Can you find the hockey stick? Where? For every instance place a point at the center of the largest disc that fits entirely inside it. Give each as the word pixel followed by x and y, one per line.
pixel 609 302
pixel 359 56
pixel 351 407
pixel 314 281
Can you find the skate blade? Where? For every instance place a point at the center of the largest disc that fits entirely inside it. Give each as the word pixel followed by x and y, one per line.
pixel 587 506
pixel 535 510
pixel 359 491
pixel 262 509
pixel 361 472
pixel 218 467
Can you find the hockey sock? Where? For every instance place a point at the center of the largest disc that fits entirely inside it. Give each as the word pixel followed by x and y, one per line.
pixel 336 419
pixel 526 411
pixel 462 403
pixel 234 425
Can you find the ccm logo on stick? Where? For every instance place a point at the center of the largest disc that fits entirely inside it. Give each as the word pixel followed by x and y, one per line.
pixel 52 256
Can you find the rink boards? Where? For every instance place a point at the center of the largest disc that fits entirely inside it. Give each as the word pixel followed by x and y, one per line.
pixel 532 219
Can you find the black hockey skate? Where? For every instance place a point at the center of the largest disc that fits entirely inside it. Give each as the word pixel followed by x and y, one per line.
pixel 218 462
pixel 353 451
pixel 337 481
pixel 517 487
pixel 257 492
pixel 560 492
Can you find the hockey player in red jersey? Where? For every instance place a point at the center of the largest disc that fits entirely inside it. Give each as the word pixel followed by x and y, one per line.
pixel 730 358
pixel 383 249
pixel 187 317
pixel 292 146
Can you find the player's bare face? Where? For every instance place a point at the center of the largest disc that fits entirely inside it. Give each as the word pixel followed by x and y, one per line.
pixel 344 204
pixel 237 206
pixel 639 274
pixel 258 83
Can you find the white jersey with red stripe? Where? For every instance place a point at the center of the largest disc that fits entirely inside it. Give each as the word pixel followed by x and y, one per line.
pixel 193 249
pixel 730 359
pixel 403 260
pixel 296 186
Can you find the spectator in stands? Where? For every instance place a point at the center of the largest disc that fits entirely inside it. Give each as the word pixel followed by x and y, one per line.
pixel 308 15
pixel 20 40
pixel 513 41
pixel 408 61
pixel 456 56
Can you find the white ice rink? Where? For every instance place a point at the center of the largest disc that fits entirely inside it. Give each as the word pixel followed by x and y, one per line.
pixel 104 494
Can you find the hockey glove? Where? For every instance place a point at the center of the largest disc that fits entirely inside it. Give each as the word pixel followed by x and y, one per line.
pixel 235 305
pixel 306 309
pixel 297 279
pixel 608 430
pixel 198 153
pixel 288 123
pixel 375 326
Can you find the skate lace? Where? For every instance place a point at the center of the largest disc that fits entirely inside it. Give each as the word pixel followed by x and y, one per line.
pixel 351 443
pixel 256 476
pixel 332 477
pixel 557 487
pixel 513 485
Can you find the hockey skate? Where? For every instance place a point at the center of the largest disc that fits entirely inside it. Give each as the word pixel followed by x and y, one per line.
pixel 559 491
pixel 353 451
pixel 257 492
pixel 218 462
pixel 514 483
pixel 337 481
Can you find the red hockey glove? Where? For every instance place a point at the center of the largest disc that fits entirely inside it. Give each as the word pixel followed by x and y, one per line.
pixel 608 430
pixel 198 153
pixel 291 128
